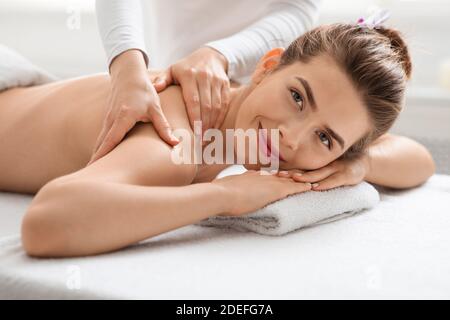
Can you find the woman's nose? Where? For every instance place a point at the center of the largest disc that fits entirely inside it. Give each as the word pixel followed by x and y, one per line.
pixel 290 135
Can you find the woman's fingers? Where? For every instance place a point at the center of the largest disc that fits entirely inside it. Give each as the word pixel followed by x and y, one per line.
pixel 293 187
pixel 283 186
pixel 316 175
pixel 290 185
pixel 292 173
pixel 333 181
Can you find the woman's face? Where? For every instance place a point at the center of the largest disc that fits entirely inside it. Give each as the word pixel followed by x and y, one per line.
pixel 314 105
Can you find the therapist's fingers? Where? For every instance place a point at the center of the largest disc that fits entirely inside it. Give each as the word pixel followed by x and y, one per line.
pixel 163 80
pixel 204 85
pixel 161 124
pixel 191 97
pixel 107 124
pixel 121 125
pixel 225 103
pixel 216 102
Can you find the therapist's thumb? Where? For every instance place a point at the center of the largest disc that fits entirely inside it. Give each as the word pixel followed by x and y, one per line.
pixel 161 124
pixel 163 80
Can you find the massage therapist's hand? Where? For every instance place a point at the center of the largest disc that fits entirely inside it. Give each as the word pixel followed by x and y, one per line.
pixel 132 98
pixel 252 190
pixel 338 173
pixel 205 85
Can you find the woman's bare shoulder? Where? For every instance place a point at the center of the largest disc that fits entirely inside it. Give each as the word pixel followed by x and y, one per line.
pixel 174 108
pixel 143 158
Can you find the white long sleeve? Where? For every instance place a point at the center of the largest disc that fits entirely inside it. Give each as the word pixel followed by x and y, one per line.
pixel 174 28
pixel 283 22
pixel 121 27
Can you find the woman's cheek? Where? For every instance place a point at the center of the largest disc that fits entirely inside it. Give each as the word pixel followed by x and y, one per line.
pixel 267 101
pixel 313 161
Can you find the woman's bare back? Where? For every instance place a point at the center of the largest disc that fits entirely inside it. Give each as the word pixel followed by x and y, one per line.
pixel 50 130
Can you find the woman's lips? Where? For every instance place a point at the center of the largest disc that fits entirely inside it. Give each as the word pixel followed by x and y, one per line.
pixel 269 150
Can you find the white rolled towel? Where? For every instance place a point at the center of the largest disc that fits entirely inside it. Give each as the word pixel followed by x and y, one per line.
pixel 301 210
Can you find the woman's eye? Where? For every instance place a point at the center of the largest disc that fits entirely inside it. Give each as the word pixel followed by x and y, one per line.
pixel 297 98
pixel 325 139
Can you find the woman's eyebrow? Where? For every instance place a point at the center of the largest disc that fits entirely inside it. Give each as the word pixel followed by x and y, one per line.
pixel 313 104
pixel 309 92
pixel 336 137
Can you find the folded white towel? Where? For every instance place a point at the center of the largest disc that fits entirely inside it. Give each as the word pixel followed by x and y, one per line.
pixel 301 210
pixel 17 71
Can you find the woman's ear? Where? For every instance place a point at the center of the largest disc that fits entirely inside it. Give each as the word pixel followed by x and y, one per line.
pixel 266 64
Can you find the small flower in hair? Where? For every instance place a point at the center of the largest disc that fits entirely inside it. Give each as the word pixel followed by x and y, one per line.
pixel 375 20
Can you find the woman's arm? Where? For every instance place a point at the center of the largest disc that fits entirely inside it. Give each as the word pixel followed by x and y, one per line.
pixel 398 162
pixel 390 161
pixel 283 22
pixel 134 193
pixel 127 196
pixel 86 217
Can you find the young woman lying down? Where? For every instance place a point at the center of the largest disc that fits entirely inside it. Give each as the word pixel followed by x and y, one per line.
pixel 332 94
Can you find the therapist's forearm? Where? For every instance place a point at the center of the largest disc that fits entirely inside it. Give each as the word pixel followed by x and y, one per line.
pixel 216 55
pixel 121 27
pixel 282 23
pixel 398 162
pixel 130 61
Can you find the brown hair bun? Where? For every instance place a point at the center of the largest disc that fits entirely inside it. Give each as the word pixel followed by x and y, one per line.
pixel 399 46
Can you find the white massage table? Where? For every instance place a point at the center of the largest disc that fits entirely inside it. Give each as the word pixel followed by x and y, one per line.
pixel 400 249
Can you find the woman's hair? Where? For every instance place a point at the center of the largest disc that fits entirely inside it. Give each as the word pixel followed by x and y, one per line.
pixel 376 60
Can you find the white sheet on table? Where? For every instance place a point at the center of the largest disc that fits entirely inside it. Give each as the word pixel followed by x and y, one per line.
pixel 399 249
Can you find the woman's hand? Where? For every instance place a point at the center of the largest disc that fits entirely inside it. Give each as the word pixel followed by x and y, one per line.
pixel 253 190
pixel 205 85
pixel 133 98
pixel 337 173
